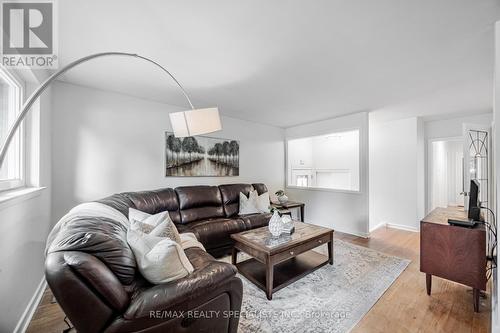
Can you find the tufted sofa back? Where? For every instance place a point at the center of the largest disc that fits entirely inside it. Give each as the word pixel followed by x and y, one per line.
pixel 199 203
pixel 153 202
pixel 231 197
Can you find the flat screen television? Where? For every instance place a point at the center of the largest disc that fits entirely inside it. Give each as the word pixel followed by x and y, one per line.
pixel 474 204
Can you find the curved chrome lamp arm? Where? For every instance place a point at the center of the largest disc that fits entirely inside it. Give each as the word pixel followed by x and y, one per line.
pixel 29 102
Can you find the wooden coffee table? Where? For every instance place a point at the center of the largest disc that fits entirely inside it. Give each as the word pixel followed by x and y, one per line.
pixel 278 262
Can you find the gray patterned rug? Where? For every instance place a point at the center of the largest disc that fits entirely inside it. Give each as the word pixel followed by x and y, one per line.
pixel 332 299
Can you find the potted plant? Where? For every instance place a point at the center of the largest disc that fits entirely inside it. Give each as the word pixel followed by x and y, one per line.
pixel 282 198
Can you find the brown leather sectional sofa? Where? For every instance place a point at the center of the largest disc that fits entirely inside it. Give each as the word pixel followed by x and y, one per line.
pixel 93 274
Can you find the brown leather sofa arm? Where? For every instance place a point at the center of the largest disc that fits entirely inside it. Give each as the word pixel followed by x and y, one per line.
pixel 76 297
pixel 224 301
pixel 93 272
pixel 208 275
pixel 212 288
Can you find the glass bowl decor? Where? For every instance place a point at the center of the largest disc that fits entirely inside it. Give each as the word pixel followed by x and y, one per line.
pixel 282 197
pixel 287 225
pixel 275 225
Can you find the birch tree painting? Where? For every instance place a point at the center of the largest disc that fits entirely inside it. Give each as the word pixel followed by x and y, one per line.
pixel 201 156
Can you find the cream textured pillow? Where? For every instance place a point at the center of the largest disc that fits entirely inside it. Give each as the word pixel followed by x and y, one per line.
pixel 248 205
pixel 263 203
pixel 157 225
pixel 159 259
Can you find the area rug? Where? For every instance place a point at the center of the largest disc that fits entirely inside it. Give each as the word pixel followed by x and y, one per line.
pixel 332 299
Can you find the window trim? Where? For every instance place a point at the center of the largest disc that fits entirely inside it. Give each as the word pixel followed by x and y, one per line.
pixel 16 196
pixel 327 189
pixel 16 183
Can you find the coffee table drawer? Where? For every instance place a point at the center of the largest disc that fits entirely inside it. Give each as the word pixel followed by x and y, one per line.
pixel 290 253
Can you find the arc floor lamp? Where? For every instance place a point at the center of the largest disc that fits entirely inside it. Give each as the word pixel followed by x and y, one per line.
pixel 184 123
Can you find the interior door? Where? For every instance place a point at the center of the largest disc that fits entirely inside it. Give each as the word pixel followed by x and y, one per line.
pixel 458 177
pixel 476 161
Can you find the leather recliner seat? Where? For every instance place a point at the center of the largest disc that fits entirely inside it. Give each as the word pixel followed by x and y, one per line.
pixel 93 273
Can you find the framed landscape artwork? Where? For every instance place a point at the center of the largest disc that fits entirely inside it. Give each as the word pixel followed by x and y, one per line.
pixel 201 156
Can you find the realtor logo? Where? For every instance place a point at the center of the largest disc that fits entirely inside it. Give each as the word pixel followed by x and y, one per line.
pixel 28 38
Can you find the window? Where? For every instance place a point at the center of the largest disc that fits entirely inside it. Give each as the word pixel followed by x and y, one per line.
pixel 327 161
pixel 302 181
pixel 11 172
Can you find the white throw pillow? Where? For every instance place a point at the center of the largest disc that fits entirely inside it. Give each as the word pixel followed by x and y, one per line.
pixel 160 259
pixel 248 205
pixel 263 202
pixel 157 225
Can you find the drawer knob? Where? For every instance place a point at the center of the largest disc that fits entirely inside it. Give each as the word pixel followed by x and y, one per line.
pixel 291 253
pixel 320 241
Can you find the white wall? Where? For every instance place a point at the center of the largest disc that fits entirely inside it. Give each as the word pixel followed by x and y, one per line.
pixel 421 168
pixel 321 153
pixel 26 222
pixel 394 169
pixel 453 127
pixel 495 313
pixel 405 143
pixel 340 210
pixel 106 142
pixel 449 128
pixel 341 153
pixel 301 154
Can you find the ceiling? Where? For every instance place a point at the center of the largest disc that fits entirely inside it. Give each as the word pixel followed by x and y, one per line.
pixel 287 62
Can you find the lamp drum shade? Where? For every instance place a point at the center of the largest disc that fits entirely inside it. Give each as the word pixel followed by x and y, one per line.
pixel 195 122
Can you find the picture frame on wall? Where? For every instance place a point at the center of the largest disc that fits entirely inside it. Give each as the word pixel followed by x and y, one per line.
pixel 201 156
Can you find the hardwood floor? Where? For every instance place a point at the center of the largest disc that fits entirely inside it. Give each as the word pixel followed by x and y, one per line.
pixel 48 317
pixel 404 307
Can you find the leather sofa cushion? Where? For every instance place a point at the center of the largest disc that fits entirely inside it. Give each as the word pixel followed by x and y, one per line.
pixel 260 188
pixel 216 232
pixel 231 197
pixel 119 201
pixel 104 238
pixel 99 277
pixel 76 296
pixel 253 221
pixel 153 202
pixel 208 274
pixel 183 228
pixel 199 203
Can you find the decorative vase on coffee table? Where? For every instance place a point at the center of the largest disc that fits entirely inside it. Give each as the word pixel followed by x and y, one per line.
pixel 275 225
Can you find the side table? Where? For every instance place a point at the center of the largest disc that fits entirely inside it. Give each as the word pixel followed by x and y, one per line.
pixel 290 204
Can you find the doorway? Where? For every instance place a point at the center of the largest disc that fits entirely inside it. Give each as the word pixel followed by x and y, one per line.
pixel 446 186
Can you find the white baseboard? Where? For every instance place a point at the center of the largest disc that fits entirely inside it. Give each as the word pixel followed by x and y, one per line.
pixel 380 225
pixel 354 233
pixel 402 227
pixel 24 321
